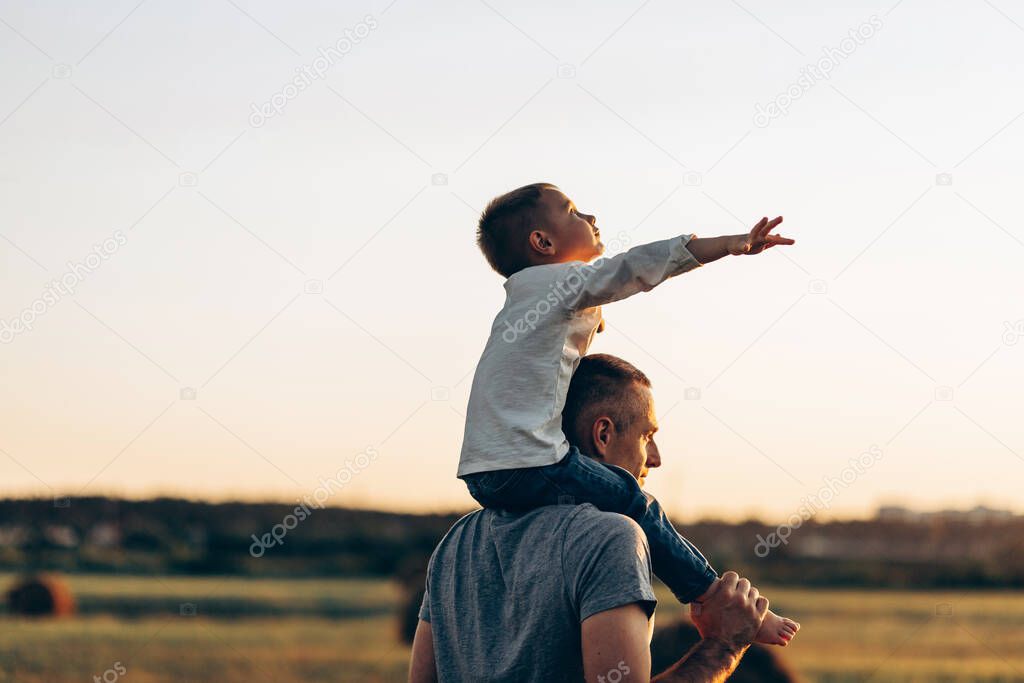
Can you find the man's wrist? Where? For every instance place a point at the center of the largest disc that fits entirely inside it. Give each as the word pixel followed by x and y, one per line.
pixel 724 648
pixel 711 660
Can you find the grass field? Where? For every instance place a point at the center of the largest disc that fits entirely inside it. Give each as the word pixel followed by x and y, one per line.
pixel 288 631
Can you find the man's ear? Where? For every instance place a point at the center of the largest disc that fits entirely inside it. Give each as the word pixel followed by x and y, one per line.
pixel 601 435
pixel 540 243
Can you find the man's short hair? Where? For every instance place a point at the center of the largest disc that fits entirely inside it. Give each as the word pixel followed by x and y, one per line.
pixel 601 386
pixel 505 225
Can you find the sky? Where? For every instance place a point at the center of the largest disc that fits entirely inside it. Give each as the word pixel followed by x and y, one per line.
pixel 217 284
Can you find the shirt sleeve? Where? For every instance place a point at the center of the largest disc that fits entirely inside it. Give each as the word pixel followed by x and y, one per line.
pixel 640 269
pixel 425 605
pixel 606 563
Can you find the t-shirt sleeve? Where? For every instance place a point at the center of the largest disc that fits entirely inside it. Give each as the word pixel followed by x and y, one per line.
pixel 606 563
pixel 425 605
pixel 640 269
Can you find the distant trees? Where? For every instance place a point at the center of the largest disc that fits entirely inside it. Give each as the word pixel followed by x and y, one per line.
pixel 185 537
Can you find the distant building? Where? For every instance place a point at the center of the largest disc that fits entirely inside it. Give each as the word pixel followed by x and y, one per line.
pixel 13 536
pixel 104 535
pixel 61 535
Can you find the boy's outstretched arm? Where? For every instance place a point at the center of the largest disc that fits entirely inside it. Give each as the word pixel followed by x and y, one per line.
pixel 708 249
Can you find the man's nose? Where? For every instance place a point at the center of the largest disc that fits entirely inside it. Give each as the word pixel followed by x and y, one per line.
pixel 653 456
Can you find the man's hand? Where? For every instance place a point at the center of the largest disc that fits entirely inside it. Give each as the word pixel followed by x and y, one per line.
pixel 759 238
pixel 731 612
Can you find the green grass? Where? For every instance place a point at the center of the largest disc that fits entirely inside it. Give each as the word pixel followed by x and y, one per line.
pixel 847 635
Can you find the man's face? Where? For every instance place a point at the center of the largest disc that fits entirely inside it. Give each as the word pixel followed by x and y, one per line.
pixel 574 233
pixel 634 449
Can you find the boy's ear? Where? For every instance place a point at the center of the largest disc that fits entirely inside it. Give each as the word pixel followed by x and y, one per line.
pixel 540 243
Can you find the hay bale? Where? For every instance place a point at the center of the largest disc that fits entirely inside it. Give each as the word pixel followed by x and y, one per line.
pixel 761 663
pixel 40 596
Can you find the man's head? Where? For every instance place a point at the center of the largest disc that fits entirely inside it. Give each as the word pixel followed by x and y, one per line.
pixel 609 414
pixel 533 225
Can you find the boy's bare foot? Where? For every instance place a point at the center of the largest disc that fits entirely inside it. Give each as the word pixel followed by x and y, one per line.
pixel 776 630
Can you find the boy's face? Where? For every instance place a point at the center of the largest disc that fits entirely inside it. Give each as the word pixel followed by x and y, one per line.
pixel 574 234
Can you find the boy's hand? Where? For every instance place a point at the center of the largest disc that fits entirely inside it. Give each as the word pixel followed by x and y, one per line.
pixel 759 238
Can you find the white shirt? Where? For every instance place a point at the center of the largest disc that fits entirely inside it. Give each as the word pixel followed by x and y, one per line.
pixel 551 312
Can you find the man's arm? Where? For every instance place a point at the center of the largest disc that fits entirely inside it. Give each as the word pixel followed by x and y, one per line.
pixel 619 639
pixel 709 661
pixel 423 668
pixel 617 646
pixel 708 249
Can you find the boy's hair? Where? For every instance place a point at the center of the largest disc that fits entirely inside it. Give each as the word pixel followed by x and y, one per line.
pixel 600 386
pixel 505 226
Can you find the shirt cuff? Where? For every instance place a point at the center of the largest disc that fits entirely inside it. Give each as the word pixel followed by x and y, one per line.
pixel 645 599
pixel 682 259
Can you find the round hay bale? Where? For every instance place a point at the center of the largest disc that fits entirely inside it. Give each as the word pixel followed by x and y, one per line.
pixel 761 663
pixel 40 596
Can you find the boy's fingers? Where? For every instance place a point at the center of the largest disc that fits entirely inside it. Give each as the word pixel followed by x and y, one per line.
pixel 756 230
pixel 771 225
pixel 779 239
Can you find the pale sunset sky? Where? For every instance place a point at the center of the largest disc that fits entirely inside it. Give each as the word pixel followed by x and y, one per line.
pixel 281 291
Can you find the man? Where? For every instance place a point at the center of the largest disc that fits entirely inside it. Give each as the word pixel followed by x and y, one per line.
pixel 563 592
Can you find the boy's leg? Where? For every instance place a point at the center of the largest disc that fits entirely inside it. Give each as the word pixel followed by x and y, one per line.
pixel 579 479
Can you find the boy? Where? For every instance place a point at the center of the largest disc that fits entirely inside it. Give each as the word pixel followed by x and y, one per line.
pixel 514 453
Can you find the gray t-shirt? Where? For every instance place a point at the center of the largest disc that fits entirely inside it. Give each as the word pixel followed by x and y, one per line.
pixel 506 592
